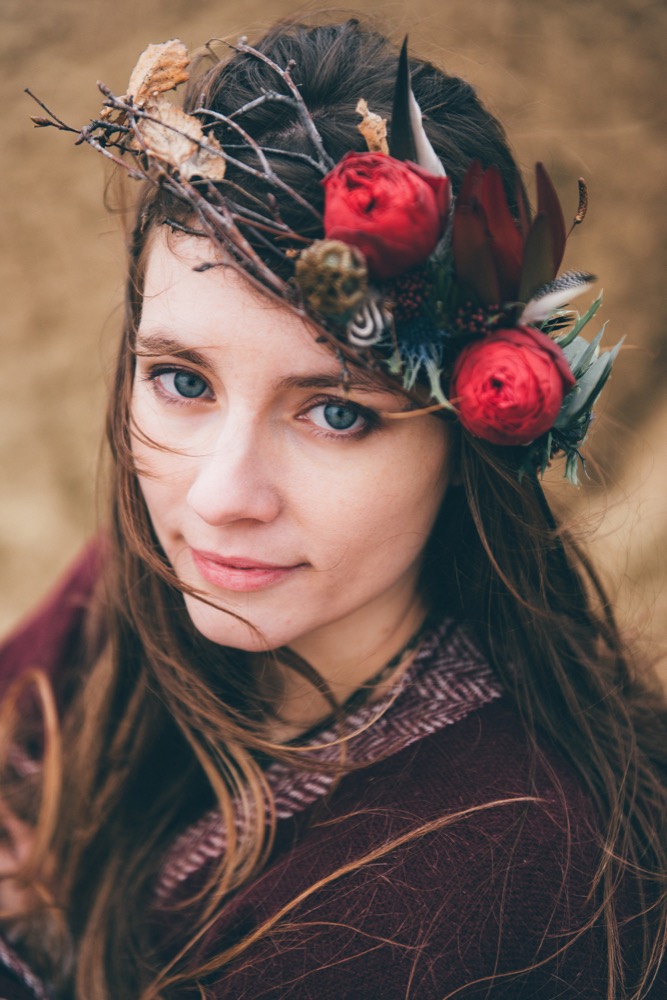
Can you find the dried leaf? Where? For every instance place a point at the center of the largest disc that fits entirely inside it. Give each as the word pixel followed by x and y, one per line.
pixel 169 133
pixel 159 68
pixel 205 163
pixel 373 128
pixel 174 137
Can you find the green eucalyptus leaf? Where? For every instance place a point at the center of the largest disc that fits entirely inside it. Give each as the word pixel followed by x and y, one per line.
pixel 582 396
pixel 589 356
pixel 574 352
pixel 395 363
pixel 545 457
pixel 568 337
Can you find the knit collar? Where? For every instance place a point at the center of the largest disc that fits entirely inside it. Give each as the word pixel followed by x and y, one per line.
pixel 447 680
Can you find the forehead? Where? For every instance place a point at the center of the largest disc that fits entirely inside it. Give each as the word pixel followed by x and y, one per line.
pixel 194 300
pixel 190 290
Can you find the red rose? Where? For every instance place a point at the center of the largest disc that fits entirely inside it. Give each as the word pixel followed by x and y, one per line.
pixel 508 388
pixel 392 210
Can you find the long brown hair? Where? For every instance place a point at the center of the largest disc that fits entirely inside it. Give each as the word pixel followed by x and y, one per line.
pixel 164 724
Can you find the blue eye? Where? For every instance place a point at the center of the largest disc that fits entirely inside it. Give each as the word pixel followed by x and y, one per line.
pixel 340 417
pixel 176 384
pixel 189 385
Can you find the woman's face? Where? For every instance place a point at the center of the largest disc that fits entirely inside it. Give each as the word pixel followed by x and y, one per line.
pixel 285 500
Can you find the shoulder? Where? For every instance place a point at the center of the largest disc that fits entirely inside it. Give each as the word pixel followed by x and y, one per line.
pixel 485 756
pixel 464 853
pixel 455 860
pixel 49 639
pixel 50 636
pixel 475 809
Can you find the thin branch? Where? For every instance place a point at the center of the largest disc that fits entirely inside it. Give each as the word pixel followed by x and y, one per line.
pixel 258 150
pixel 95 144
pixel 268 95
pixel 255 221
pixel 209 48
pixel 286 76
pixel 290 154
pixel 220 222
pixel 57 122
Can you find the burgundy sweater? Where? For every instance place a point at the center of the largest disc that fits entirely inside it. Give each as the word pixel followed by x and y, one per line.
pixel 500 887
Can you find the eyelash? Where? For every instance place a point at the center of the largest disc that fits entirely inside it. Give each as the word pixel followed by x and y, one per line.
pixel 370 417
pixel 153 378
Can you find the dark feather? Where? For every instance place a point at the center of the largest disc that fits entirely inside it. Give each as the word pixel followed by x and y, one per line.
pixel 554 295
pixel 401 139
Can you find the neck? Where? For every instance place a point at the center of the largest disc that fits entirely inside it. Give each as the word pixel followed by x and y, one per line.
pixel 346 656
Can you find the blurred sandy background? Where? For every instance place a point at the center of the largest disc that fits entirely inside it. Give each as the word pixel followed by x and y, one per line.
pixel 578 83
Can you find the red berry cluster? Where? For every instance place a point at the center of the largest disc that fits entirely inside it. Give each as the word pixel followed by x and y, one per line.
pixel 410 291
pixel 474 321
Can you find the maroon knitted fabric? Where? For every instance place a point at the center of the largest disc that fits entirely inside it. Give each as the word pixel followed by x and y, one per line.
pixel 500 887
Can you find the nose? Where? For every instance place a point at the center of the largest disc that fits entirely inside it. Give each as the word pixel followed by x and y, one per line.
pixel 235 481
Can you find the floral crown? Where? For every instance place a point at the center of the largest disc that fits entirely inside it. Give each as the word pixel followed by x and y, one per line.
pixel 454 294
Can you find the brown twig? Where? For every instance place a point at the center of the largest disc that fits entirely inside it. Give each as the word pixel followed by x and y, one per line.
pixel 268 172
pixel 56 122
pixel 286 76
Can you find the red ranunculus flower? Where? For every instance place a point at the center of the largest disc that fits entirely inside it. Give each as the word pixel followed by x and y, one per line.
pixel 392 210
pixel 508 387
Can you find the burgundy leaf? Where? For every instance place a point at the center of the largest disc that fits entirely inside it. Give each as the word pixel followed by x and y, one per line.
pixel 523 209
pixel 472 184
pixel 506 240
pixel 538 265
pixel 547 202
pixel 473 257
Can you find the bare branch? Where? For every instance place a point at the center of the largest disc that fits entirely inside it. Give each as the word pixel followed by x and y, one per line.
pixel 55 121
pixel 289 154
pixel 286 76
pixel 267 171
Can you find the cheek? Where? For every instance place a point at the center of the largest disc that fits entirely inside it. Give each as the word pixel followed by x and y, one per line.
pixel 162 503
pixel 163 473
pixel 385 512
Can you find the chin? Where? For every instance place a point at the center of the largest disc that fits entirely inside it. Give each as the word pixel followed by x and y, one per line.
pixel 233 627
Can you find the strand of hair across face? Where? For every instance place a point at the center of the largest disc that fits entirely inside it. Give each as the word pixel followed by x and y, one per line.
pixel 361 695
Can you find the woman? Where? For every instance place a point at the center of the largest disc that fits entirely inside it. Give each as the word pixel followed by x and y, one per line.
pixel 334 707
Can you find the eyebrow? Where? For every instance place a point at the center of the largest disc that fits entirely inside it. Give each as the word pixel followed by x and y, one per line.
pixel 152 345
pixel 357 380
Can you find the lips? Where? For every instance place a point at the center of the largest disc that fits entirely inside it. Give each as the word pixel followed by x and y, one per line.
pixel 239 573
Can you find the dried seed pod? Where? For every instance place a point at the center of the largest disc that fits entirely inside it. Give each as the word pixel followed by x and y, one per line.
pixel 333 278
